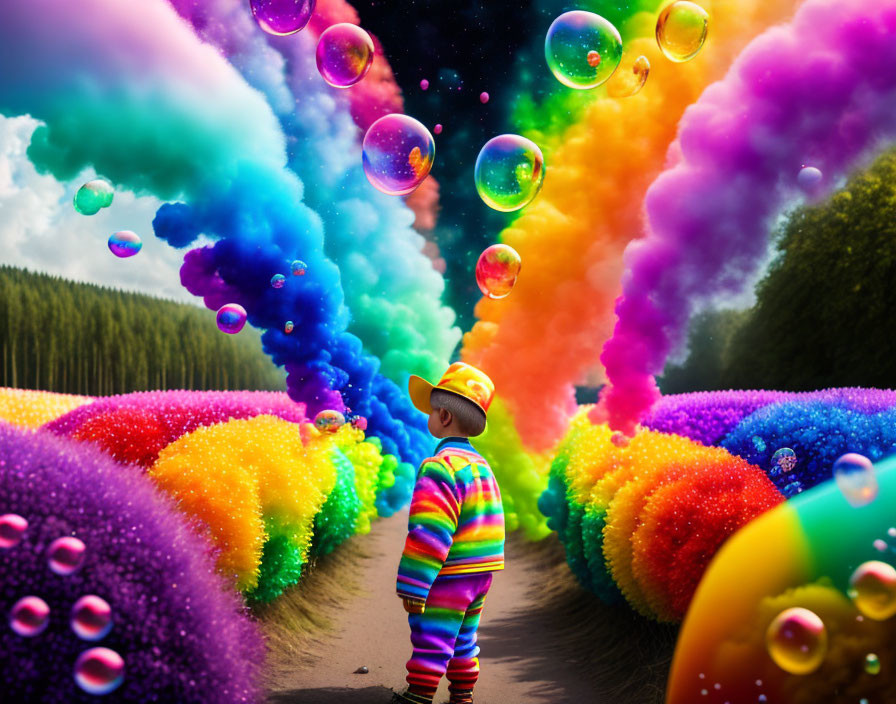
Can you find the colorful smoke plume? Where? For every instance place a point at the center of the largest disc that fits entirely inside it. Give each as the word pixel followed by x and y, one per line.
pixel 818 90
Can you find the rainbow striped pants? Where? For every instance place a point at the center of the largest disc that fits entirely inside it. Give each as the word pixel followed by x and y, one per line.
pixel 444 638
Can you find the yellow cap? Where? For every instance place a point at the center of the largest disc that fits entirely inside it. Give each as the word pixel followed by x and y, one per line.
pixel 461 379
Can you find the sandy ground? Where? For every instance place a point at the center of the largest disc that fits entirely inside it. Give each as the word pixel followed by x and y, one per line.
pixel 527 652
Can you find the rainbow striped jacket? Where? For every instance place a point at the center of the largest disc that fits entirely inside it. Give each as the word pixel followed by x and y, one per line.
pixel 457 520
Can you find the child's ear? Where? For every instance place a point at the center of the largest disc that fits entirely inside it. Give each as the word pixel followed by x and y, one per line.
pixel 445 417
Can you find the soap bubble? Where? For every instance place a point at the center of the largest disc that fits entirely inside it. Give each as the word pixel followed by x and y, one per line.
pixel 231 318
pixel 855 478
pixel 873 589
pixel 344 54
pixel 424 84
pixel 99 671
pixel 93 196
pixel 437 129
pixel 880 545
pixel 872 664
pixel 629 78
pixel 298 268
pixel 809 178
pixel 125 243
pixel 65 555
pixel 497 269
pixel 681 30
pixel 277 280
pixel 483 97
pixel 759 443
pixel 784 460
pixel 359 422
pixel 398 152
pixel 509 172
pixel 329 421
pixel 619 439
pixel 797 641
pixel 91 617
pixel 282 17
pixel 29 616
pixel 289 327
pixel 571 44
pixel 12 529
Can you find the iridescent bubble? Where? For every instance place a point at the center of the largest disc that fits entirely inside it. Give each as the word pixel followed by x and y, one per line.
pixel 681 30
pixel 298 268
pixel 93 196
pixel 66 555
pixel 329 421
pixel 797 641
pixel 855 478
pixel 437 129
pixel 344 54
pixel 12 529
pixel 125 244
pixel 359 422
pixel 278 280
pixel 483 97
pixel 784 460
pixel 497 269
pixel 759 443
pixel 91 617
pixel 424 84
pixel 509 172
pixel 99 671
pixel 872 664
pixel 873 589
pixel 231 318
pixel 572 42
pixel 398 152
pixel 29 616
pixel 282 17
pixel 891 532
pixel 288 327
pixel 629 78
pixel 809 178
pixel 880 545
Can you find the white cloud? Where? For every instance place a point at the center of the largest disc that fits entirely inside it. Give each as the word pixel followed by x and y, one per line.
pixel 41 231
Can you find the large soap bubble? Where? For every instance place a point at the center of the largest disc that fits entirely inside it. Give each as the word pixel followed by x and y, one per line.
pixel 509 172
pixel 282 17
pixel 797 641
pixel 344 54
pixel 681 30
pixel 93 196
pixel 497 269
pixel 582 49
pixel 125 243
pixel 629 78
pixel 854 475
pixel 99 671
pixel 872 589
pixel 329 421
pixel 91 617
pixel 231 318
pixel 398 152
pixel 809 179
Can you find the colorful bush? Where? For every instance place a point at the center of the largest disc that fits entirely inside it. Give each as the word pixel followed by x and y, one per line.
pixel 644 520
pixel 182 633
pixel 32 409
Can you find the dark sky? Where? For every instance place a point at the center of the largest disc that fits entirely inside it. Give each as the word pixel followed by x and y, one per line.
pixel 463 48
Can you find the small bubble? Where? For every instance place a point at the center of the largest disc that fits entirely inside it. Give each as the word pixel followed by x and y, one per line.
pixel 66 555
pixel 12 529
pixel 29 616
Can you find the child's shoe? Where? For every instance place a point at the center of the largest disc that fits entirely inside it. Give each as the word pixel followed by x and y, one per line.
pixel 462 697
pixel 409 698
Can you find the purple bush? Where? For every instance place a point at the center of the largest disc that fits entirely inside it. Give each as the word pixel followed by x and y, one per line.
pixel 181 630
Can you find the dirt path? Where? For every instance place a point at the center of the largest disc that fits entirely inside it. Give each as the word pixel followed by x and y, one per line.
pixel 527 654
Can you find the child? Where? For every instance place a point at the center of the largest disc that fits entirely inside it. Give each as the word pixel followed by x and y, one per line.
pixel 455 538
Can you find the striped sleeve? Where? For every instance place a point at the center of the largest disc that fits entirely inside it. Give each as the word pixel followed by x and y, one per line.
pixel 433 521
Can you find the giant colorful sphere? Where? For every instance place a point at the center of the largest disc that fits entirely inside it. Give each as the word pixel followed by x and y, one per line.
pixel 509 172
pixel 282 17
pixel 125 244
pixel 797 641
pixel 397 153
pixel 344 54
pixel 855 478
pixel 872 588
pixel 497 269
pixel 582 49
pixel 681 30
pixel 231 318
pixel 93 196
pixel 99 671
